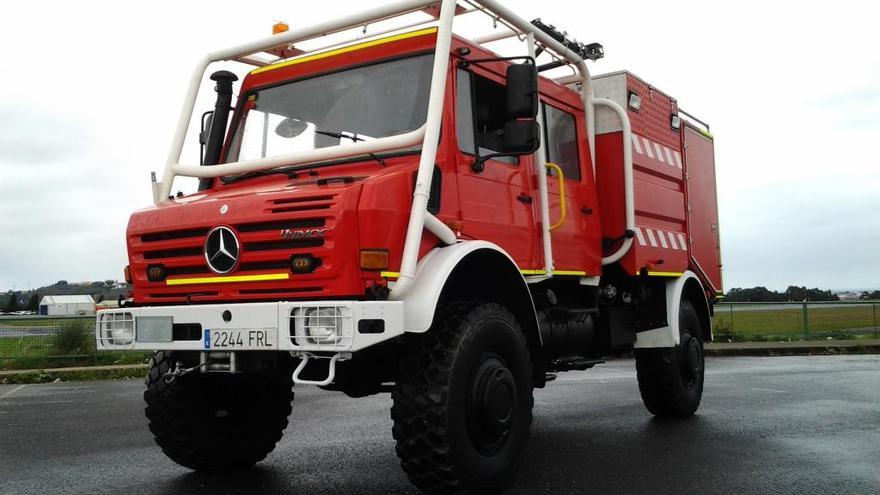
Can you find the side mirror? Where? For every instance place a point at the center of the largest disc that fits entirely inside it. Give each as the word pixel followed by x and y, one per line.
pixel 521 137
pixel 204 131
pixel 522 134
pixel 522 91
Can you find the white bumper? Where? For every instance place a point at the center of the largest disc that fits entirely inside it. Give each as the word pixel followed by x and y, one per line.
pixel 359 324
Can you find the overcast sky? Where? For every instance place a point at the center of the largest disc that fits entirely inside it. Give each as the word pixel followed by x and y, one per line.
pixel 90 93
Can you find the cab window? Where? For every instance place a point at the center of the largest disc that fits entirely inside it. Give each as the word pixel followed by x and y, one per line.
pixel 561 141
pixel 480 115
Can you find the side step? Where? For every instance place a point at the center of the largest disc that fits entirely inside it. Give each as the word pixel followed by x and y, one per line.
pixel 573 364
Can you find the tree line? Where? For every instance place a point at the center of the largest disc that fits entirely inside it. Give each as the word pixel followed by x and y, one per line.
pixel 870 296
pixel 792 293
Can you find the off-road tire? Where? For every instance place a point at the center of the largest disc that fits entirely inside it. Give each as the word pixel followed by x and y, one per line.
pixel 217 421
pixel 671 379
pixel 463 401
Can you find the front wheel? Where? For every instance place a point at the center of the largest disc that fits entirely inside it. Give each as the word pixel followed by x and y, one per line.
pixel 217 421
pixel 463 401
pixel 671 380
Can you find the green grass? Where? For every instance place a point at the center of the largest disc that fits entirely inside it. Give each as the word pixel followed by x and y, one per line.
pixel 41 376
pixel 53 361
pixel 784 324
pixel 24 346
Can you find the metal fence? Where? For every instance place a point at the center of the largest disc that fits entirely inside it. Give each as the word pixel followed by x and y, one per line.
pixel 796 320
pixel 27 340
pixel 46 341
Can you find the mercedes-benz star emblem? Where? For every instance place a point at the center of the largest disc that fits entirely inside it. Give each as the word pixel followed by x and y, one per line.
pixel 222 250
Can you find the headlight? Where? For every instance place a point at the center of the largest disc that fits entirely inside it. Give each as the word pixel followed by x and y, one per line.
pixel 323 326
pixel 117 328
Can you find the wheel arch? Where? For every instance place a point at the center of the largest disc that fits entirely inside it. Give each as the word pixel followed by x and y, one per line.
pixel 693 292
pixel 476 270
pixel 689 287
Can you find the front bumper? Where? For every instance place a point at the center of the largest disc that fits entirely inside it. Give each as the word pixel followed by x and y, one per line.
pixel 359 324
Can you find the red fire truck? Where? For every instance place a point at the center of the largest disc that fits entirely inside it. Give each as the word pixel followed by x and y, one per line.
pixel 407 208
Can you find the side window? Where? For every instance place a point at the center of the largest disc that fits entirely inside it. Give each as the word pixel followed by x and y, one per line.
pixel 561 141
pixel 480 114
pixel 464 112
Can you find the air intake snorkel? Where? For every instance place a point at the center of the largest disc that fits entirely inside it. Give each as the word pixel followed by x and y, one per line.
pixel 218 121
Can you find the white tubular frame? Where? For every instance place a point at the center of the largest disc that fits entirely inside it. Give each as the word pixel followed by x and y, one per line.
pixel 629 196
pixel 428 135
pixel 540 159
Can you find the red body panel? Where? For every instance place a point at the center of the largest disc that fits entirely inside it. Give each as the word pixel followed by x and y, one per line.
pixel 703 211
pixel 667 241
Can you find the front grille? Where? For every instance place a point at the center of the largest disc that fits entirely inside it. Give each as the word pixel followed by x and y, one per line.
pixel 281 225
pixel 283 245
pixel 175 234
pixel 173 253
pixel 308 203
pixel 264 250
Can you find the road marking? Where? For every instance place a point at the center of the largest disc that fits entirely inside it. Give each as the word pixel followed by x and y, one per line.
pixel 768 390
pixel 16 389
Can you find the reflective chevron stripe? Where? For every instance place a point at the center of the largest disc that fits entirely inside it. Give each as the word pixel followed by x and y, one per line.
pixel 656 151
pixel 662 239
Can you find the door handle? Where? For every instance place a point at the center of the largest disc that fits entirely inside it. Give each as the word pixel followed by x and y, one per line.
pixel 524 198
pixel 563 214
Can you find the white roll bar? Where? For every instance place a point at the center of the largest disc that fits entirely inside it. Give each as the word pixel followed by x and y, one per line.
pixel 629 197
pixel 540 159
pixel 428 135
pixel 425 174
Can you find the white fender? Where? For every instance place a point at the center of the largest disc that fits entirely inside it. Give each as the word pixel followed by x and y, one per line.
pixel 432 272
pixel 668 336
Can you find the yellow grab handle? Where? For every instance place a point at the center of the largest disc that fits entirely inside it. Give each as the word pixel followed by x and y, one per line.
pixel 561 176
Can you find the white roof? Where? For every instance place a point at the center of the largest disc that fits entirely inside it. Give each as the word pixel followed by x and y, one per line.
pixel 82 299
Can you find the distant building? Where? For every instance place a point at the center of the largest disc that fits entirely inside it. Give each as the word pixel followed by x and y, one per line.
pixel 67 306
pixel 849 296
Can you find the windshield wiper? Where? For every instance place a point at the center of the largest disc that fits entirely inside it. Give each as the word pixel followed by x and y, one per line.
pixel 291 174
pixel 353 136
pixel 292 171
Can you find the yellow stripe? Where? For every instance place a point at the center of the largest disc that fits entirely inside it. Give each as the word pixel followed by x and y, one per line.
pixel 570 272
pixel 665 274
pixel 221 280
pixel 556 272
pixel 390 274
pixel 347 49
pixel 533 272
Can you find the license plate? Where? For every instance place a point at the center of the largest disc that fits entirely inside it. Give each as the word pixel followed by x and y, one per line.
pixel 240 339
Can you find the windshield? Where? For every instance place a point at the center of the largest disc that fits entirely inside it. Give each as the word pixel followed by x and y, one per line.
pixel 342 108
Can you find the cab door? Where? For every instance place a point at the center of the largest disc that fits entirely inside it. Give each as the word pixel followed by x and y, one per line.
pixel 497 204
pixel 576 237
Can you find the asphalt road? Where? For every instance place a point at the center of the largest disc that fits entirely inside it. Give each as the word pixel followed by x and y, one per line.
pixel 767 425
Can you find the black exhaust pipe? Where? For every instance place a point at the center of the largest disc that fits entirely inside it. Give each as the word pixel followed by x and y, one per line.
pixel 217 131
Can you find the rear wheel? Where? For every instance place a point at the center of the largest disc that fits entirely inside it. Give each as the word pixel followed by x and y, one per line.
pixel 463 401
pixel 671 379
pixel 217 421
